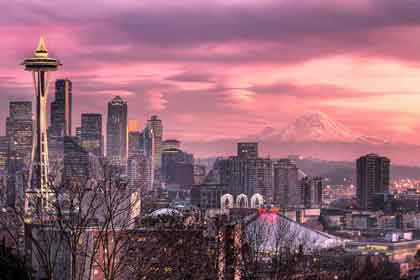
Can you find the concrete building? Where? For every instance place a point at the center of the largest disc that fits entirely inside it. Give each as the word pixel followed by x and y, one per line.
pixel 139 172
pixel 117 132
pixel 312 192
pixel 76 162
pixel 19 128
pixel 173 158
pixel 61 109
pixel 135 143
pixel 91 137
pixel 247 176
pixel 372 179
pixel 155 125
pixel 287 188
pixel 15 170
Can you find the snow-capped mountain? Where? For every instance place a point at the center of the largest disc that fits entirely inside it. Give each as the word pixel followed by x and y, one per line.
pixel 318 127
pixel 318 136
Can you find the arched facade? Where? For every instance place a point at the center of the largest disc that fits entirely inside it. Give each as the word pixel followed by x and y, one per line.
pixel 241 201
pixel 257 200
pixel 227 201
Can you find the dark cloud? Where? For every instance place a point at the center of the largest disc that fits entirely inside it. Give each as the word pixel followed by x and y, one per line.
pixel 192 77
pixel 280 31
pixel 312 91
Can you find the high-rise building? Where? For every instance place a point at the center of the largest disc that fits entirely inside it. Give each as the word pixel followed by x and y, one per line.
pixel 61 109
pixel 117 132
pixel 135 143
pixel 138 172
pixel 247 175
pixel 170 159
pixel 248 150
pixel 372 179
pixel 76 163
pixel 312 192
pixel 147 142
pixel 91 137
pixel 19 128
pixel 147 145
pixel 287 190
pixel 15 177
pixel 40 64
pixel 155 124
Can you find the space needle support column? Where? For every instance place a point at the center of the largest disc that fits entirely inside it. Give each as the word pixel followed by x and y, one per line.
pixel 41 150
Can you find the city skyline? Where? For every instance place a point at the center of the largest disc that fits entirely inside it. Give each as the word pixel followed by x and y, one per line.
pixel 264 70
pixel 225 139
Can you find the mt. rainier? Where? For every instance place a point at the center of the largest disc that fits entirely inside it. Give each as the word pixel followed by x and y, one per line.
pixel 318 127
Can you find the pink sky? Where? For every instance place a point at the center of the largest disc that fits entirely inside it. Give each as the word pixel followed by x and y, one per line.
pixel 219 69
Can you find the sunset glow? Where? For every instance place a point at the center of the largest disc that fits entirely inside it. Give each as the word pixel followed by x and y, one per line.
pixel 250 60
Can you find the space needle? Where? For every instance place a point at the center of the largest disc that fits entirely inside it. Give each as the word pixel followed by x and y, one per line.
pixel 40 64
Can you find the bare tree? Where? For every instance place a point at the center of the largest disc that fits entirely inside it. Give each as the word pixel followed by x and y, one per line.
pixel 117 217
pixel 82 217
pixel 165 247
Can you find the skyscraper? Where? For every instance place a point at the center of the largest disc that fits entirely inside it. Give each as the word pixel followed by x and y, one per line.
pixel 135 143
pixel 147 142
pixel 117 132
pixel 287 191
pixel 171 161
pixel 61 109
pixel 76 163
pixel 15 177
pixel 247 175
pixel 91 137
pixel 372 179
pixel 155 124
pixel 147 145
pixel 138 172
pixel 40 64
pixel 19 128
pixel 312 192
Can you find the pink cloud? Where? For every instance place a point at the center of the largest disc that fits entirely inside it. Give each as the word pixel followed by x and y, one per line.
pixel 229 71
